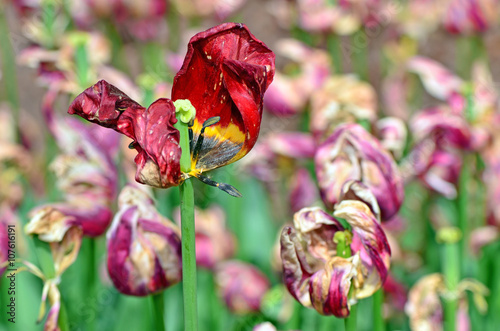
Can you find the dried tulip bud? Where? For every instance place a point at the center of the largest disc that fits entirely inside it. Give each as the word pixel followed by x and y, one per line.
pixel 303 190
pixel 241 286
pixel 312 270
pixel 443 126
pixel 341 99
pixel 144 248
pixel 351 153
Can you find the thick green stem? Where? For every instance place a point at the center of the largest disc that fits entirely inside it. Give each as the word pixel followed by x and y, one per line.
pixel 378 317
pixel 334 48
pixel 188 256
pixel 62 321
pixel 158 301
pixel 451 270
pixel 359 44
pixel 188 234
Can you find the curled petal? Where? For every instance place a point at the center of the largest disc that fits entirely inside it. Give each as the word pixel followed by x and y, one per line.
pixel 370 241
pixel 155 138
pixel 225 73
pixel 351 153
pixel 65 252
pixel 144 249
pixel 329 287
pixel 438 80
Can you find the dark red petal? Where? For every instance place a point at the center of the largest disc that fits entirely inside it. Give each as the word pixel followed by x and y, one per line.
pixel 103 104
pixel 225 73
pixel 153 132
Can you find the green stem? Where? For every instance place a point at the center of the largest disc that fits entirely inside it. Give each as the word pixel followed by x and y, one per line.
pixel 334 48
pixel 351 321
pixel 188 256
pixel 82 65
pixel 188 234
pixel 92 281
pixel 359 44
pixel 159 310
pixel 62 321
pixel 378 318
pixel 451 270
pixel 9 66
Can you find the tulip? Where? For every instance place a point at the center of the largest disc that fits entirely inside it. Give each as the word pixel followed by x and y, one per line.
pixel 342 99
pixel 303 190
pixel 424 306
pixel 470 16
pixel 351 153
pixel 241 286
pixel 224 76
pixel 144 248
pixel 313 270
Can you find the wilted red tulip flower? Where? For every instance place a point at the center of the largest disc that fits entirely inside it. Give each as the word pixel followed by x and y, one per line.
pixel 313 271
pixel 144 248
pixel 351 153
pixel 224 76
pixel 241 286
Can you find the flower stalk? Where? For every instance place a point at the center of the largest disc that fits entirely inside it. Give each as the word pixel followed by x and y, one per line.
pixel 158 310
pixel 450 237
pixel 343 241
pixel 187 230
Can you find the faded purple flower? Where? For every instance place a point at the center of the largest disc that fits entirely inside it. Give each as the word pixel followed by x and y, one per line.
pixel 351 153
pixel 144 248
pixel 312 270
pixel 241 286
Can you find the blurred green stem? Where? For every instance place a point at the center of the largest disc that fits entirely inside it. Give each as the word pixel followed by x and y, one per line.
pixel 359 47
pixel 92 280
pixel 451 269
pixel 188 235
pixel 9 65
pixel 333 42
pixel 159 310
pixel 378 318
pixel 63 317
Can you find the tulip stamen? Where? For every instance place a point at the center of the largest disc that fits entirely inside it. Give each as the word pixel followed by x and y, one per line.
pixel 199 142
pixel 229 189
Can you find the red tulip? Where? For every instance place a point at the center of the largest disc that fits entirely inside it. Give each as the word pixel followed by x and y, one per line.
pixel 225 74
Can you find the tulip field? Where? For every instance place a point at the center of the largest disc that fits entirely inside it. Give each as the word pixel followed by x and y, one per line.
pixel 260 165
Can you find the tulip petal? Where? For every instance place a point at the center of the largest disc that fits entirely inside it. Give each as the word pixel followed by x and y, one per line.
pixel 225 73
